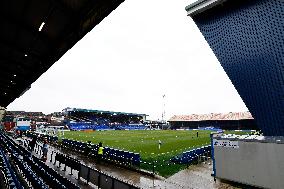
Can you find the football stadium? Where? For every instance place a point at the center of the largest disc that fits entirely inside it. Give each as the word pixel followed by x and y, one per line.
pixel 90 148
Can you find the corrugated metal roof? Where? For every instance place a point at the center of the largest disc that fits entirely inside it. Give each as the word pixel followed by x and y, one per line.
pixel 213 116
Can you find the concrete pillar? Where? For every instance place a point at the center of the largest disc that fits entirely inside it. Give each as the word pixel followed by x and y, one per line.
pixel 2 112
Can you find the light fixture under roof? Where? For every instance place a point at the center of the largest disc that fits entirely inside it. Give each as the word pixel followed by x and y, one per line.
pixel 41 26
pixel 26 55
pixel 15 75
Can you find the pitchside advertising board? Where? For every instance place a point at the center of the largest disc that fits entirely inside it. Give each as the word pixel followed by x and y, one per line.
pixel 225 143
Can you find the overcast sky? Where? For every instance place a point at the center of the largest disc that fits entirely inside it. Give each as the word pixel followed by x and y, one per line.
pixel 142 50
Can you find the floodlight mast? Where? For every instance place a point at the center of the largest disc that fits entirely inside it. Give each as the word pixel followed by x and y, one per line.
pixel 164 110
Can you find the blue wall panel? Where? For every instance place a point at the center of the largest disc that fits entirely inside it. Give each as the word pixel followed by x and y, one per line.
pixel 248 39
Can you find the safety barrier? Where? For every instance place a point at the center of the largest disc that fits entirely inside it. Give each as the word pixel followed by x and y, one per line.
pixel 193 155
pixel 96 177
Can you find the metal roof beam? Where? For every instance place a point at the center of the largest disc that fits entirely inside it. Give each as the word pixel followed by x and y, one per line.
pixel 201 6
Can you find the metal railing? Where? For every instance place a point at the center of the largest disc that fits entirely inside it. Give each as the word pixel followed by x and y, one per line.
pixel 91 175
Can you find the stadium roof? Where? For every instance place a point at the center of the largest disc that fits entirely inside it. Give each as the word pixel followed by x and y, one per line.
pixel 213 117
pixel 36 33
pixel 102 111
pixel 201 5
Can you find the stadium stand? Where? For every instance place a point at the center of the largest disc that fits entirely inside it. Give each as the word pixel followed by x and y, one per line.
pixel 9 177
pixel 82 119
pixel 226 121
pixel 33 170
pixel 46 177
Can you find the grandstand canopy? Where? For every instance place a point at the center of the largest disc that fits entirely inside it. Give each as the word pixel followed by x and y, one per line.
pixel 102 111
pixel 36 33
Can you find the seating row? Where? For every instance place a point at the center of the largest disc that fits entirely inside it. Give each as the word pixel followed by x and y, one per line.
pixel 23 168
pixel 29 173
pixel 131 127
pixel 121 157
pixel 191 156
pixel 33 169
pixel 68 161
pixel 88 126
pixel 49 175
pixel 80 127
pixel 109 154
pixel 10 177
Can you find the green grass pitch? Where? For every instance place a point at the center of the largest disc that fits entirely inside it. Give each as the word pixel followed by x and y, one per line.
pixel 146 143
